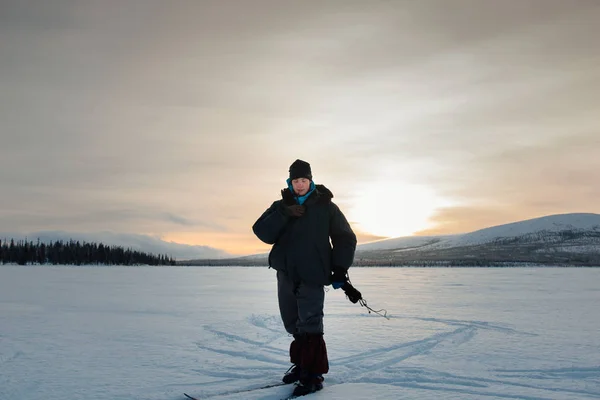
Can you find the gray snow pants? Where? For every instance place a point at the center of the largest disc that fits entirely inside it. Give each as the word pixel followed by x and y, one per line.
pixel 300 305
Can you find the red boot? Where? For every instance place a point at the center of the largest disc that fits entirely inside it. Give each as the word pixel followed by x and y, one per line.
pixel 313 364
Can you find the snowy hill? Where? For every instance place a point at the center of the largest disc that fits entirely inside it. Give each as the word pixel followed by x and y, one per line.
pixel 543 225
pixel 564 238
pixel 572 239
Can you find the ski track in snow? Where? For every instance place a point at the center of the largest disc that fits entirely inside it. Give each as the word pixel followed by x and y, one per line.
pixel 571 373
pixel 371 366
pixel 375 360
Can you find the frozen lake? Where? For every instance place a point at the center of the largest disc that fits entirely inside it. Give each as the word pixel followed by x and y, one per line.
pixel 153 333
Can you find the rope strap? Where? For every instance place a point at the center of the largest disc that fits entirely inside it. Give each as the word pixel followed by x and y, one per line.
pixel 363 303
pixel 356 297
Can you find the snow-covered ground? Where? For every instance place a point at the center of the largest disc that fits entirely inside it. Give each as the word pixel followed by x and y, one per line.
pixel 153 333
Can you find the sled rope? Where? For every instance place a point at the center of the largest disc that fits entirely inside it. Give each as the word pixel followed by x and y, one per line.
pixel 363 303
pixel 356 297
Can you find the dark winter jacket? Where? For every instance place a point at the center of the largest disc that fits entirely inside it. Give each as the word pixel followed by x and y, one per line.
pixel 301 245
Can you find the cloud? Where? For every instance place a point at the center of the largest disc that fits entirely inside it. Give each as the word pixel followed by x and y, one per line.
pixel 526 181
pixel 95 215
pixel 179 220
pixel 139 116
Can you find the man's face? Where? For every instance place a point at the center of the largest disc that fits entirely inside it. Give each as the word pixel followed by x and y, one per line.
pixel 301 186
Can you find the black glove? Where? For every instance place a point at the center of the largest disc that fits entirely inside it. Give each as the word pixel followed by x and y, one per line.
pixel 294 211
pixel 288 197
pixel 339 275
pixel 351 292
pixel 290 207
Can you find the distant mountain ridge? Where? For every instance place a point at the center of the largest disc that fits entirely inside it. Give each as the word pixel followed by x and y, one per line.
pixel 562 239
pixel 548 225
pixel 572 239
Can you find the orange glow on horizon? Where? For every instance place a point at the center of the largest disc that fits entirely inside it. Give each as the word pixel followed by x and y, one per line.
pixel 239 244
pixel 235 244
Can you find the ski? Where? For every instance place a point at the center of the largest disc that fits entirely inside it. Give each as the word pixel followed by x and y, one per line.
pixel 291 397
pixel 297 396
pixel 271 385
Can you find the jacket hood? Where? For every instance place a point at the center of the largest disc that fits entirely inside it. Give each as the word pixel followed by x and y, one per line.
pixel 323 191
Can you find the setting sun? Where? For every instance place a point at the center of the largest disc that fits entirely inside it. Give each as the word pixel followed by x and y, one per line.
pixel 393 210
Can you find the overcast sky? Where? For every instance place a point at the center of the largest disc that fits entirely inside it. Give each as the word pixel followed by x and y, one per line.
pixel 179 119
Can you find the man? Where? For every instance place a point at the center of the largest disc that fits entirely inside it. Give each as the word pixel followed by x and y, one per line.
pixel 300 227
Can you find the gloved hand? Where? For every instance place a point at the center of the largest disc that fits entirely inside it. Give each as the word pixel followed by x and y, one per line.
pixel 295 210
pixel 338 277
pixel 289 205
pixel 352 293
pixel 287 197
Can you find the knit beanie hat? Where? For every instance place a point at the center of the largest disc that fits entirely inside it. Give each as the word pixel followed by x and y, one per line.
pixel 300 169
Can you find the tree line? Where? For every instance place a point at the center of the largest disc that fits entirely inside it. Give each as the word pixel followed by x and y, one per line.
pixel 73 252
